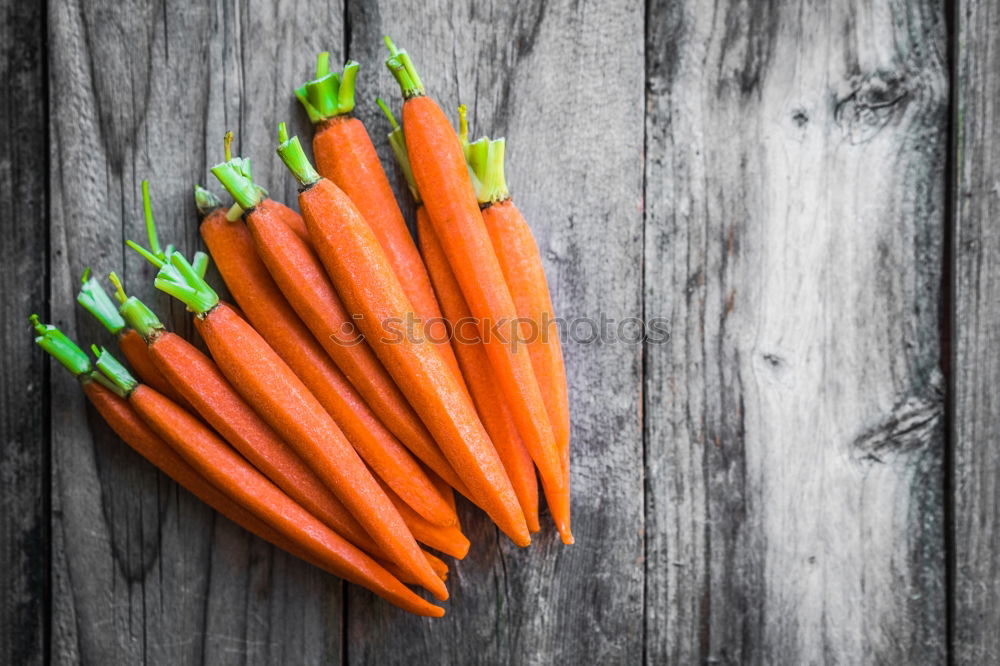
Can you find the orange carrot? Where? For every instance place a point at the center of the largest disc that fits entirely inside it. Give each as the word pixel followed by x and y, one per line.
pixel 258 295
pixel 480 379
pixel 440 172
pixel 302 280
pixel 280 397
pixel 344 153
pixel 358 267
pixel 199 380
pixel 521 264
pixel 265 507
pixel 448 540
pixel 479 375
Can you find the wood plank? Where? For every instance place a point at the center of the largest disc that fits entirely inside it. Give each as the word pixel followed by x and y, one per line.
pixel 544 74
pixel 143 572
pixel 976 333
pixel 24 535
pixel 795 206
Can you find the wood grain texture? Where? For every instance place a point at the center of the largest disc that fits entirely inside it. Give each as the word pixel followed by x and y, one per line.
pixel 540 73
pixel 24 538
pixel 142 572
pixel 795 160
pixel 976 335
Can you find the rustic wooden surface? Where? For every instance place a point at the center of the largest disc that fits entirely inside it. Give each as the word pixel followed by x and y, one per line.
pixel 975 320
pixel 795 476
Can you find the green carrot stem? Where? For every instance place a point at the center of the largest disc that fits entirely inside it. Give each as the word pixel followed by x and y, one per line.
pixel 398 143
pixel 146 254
pixel 179 279
pixel 239 186
pixel 200 263
pixel 60 347
pixel 147 212
pixel 69 355
pixel 291 153
pixel 136 313
pixel 402 69
pixel 236 176
pixel 121 380
pixel 205 200
pixel 329 94
pixel 485 158
pixel 463 129
pixel 96 301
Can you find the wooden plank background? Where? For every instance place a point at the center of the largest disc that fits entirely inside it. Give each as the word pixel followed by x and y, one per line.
pixel 804 472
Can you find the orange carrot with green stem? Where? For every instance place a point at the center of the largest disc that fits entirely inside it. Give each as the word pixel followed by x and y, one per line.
pixel 107 395
pixel 344 153
pixel 229 472
pixel 521 264
pixel 441 174
pixel 199 380
pixel 360 270
pixel 475 364
pixel 280 397
pixel 267 310
pixel 304 283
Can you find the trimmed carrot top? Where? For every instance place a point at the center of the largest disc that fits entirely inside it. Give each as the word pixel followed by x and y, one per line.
pixel 402 69
pixel 485 158
pixel 291 153
pixel 329 94
pixel 398 143
pixel 135 312
pixel 205 200
pixel 95 300
pixel 69 355
pixel 236 176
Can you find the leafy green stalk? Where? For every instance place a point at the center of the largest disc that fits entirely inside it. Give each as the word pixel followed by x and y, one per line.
pixel 111 369
pixel 96 301
pixel 135 312
pixel 329 94
pixel 398 143
pixel 291 153
pixel 402 69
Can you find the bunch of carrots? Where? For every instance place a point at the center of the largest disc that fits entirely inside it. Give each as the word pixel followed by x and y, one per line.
pixel 360 378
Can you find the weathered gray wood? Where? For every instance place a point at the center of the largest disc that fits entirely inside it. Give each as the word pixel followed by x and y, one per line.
pixel 563 82
pixel 142 571
pixel 24 537
pixel 976 334
pixel 794 214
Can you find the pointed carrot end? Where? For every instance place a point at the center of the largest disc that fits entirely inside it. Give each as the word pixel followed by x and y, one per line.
pixel 438 589
pixel 533 524
pixel 567 536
